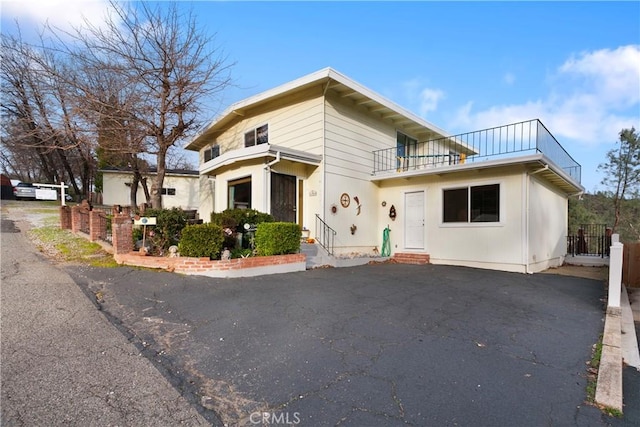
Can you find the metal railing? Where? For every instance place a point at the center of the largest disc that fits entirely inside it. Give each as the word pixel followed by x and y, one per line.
pixel 325 235
pixel 590 240
pixel 529 137
pixel 108 235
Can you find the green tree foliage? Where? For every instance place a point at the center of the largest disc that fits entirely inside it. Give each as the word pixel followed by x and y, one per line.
pixel 599 208
pixel 622 171
pixel 168 228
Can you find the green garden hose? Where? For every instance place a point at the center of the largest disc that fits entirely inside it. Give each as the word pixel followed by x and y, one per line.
pixel 386 244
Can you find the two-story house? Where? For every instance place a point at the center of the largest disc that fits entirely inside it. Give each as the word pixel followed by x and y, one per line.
pixel 344 162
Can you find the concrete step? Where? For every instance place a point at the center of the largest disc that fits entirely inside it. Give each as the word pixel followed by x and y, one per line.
pixel 318 257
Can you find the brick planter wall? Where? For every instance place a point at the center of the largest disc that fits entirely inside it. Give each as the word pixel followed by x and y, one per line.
pixel 239 267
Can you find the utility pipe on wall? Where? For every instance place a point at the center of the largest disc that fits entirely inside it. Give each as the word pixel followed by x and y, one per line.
pixel 267 182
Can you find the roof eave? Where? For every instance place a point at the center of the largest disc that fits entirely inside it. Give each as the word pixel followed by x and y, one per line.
pixel 321 76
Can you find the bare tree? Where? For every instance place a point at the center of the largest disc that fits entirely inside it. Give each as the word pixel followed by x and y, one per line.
pixel 622 169
pixel 43 137
pixel 166 67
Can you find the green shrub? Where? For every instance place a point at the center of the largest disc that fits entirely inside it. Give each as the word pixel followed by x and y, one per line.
pixel 201 240
pixel 235 219
pixel 166 232
pixel 277 238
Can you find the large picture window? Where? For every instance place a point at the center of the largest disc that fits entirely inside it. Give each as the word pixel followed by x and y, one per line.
pixel 479 203
pixel 240 193
pixel 257 136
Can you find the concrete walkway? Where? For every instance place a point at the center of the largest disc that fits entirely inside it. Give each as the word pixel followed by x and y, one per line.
pixel 63 362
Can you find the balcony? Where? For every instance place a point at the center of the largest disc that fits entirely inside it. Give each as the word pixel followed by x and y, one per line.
pixel 503 142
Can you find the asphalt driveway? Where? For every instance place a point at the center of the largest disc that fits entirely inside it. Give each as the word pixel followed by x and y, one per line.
pixel 366 346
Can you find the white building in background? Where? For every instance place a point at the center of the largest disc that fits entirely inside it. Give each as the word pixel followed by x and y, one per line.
pixel 180 188
pixel 344 162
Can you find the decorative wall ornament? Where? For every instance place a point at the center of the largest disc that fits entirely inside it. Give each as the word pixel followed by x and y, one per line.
pixel 392 213
pixel 345 200
pixel 355 198
pixel 334 209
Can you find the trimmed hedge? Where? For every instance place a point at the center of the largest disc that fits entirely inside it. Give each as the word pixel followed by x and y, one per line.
pixel 277 238
pixel 201 240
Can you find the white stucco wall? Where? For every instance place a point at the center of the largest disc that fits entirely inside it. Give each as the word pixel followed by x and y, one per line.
pixel 497 245
pixel 116 192
pixel 548 219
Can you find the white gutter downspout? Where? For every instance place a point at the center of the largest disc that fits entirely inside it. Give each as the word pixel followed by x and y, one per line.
pixel 526 215
pixel 267 182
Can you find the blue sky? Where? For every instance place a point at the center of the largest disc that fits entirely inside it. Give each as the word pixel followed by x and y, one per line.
pixel 463 66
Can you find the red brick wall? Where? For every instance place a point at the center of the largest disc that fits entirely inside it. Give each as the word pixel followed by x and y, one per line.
pixel 410 258
pixel 97 226
pixel 189 265
pixel 65 217
pixel 75 219
pixel 121 234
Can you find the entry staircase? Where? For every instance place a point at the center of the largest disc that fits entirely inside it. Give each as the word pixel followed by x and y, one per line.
pixel 320 254
pixel 319 257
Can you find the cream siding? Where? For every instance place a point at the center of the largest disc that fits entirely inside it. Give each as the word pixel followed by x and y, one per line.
pixel 351 136
pixel 298 126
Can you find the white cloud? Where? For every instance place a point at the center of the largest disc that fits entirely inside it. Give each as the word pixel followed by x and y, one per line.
pixel 425 98
pixel 611 75
pixel 62 14
pixel 429 100
pixel 592 96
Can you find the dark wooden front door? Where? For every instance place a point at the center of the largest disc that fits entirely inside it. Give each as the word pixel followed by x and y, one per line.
pixel 283 197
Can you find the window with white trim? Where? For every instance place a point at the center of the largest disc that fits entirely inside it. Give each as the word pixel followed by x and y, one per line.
pixel 257 136
pixel 168 191
pixel 211 153
pixel 480 203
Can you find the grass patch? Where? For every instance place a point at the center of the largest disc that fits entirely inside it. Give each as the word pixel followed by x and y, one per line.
pixel 67 247
pixel 592 376
pixel 592 380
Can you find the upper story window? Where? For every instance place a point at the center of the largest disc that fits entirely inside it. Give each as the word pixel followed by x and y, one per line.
pixel 211 153
pixel 259 135
pixel 479 203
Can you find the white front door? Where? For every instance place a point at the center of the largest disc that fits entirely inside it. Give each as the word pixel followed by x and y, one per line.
pixel 414 220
